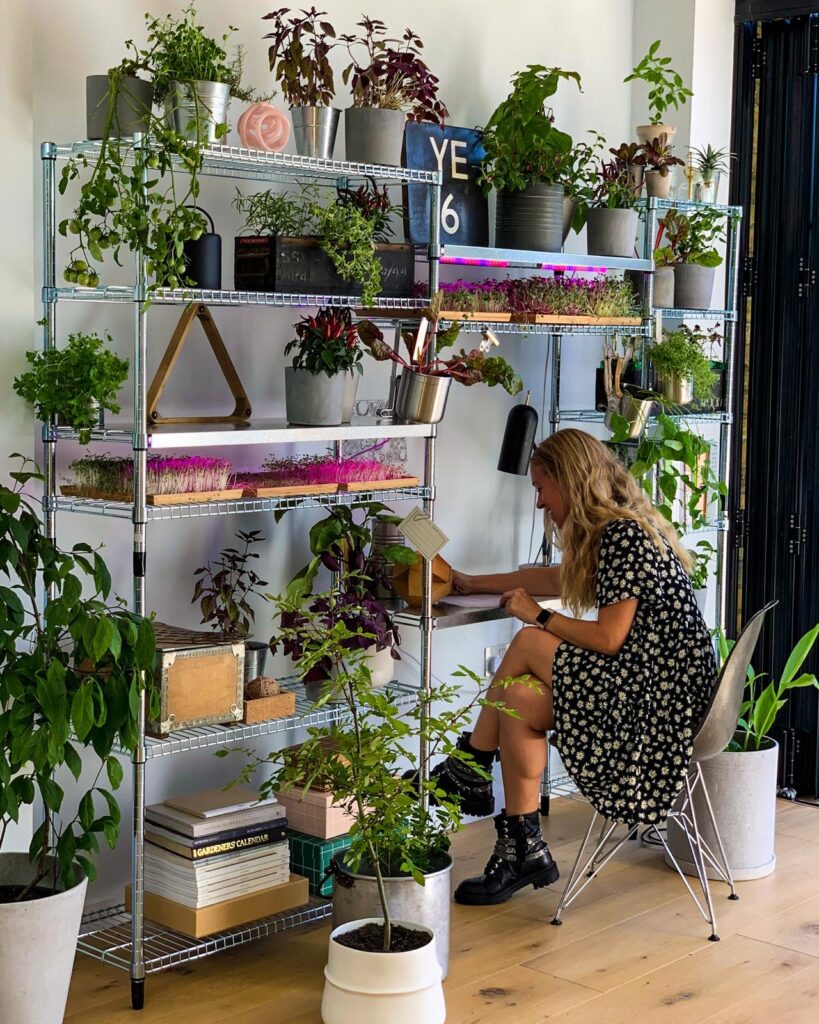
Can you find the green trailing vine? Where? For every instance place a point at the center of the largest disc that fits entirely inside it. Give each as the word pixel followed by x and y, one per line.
pixel 681 353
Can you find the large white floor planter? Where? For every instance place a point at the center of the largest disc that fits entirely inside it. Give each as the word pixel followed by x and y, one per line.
pixel 38 940
pixel 742 789
pixel 382 988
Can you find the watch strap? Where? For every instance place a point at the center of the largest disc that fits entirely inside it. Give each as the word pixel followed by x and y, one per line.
pixel 544 615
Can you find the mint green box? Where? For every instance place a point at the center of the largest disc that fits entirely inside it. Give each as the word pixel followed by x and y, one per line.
pixel 310 857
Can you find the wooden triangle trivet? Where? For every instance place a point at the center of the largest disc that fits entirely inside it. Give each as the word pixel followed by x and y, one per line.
pixel 200 312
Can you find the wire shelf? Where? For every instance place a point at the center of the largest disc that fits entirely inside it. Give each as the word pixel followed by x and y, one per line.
pixel 106 936
pixel 201 510
pixel 593 416
pixel 208 737
pixel 727 315
pixel 225 297
pixel 479 326
pixel 238 162
pixel 685 205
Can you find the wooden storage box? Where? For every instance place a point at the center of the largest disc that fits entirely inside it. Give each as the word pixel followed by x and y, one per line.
pixel 262 709
pixel 314 813
pixel 408 581
pixel 276 263
pixel 200 680
pixel 228 914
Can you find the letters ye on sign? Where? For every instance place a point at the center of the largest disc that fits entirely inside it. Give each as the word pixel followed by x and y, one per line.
pixel 457 152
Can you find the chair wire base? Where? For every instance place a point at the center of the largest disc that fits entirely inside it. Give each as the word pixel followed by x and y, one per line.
pixel 609 844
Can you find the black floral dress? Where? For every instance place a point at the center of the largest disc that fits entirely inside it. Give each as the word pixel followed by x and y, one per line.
pixel 625 725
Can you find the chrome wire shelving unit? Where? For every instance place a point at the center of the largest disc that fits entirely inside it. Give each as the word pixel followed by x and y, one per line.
pixel 114 936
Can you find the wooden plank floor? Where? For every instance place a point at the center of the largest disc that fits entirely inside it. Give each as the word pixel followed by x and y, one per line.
pixel 632 950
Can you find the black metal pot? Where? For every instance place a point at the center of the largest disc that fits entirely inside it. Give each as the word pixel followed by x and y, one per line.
pixel 204 258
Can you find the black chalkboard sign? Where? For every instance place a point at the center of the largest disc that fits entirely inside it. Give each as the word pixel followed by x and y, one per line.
pixel 457 152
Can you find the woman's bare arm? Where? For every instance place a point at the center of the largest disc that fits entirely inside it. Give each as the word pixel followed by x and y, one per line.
pixel 541 581
pixel 607 635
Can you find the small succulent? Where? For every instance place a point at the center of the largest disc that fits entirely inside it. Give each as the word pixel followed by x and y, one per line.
pixel 710 161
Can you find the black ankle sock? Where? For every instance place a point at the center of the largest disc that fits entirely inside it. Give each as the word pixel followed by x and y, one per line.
pixel 483 757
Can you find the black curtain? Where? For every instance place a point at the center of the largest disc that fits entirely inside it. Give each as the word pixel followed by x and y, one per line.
pixel 774 503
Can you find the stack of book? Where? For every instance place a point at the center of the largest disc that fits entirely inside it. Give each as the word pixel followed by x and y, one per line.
pixel 217 859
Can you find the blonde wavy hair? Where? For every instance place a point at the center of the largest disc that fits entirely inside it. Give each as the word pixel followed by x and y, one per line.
pixel 596 488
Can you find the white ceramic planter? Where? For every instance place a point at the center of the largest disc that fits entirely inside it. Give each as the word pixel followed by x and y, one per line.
pixel 38 940
pixel 382 988
pixel 742 788
pixel 650 132
pixel 381 665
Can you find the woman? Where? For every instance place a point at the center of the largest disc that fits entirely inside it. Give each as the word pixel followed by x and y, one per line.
pixel 624 694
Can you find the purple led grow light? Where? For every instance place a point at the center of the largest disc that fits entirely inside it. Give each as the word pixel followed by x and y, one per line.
pixel 470 261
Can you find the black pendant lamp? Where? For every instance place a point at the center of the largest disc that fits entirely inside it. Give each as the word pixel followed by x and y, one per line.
pixel 518 439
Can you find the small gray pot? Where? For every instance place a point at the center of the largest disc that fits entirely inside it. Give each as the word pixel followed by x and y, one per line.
pixel 664 288
pixel 658 185
pixel 373 135
pixel 196 108
pixel 314 399
pixel 611 232
pixel 531 219
pixel 255 658
pixel 693 286
pixel 314 131
pixel 133 106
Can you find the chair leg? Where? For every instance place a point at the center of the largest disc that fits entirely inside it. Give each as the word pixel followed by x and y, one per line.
pixel 724 866
pixel 572 877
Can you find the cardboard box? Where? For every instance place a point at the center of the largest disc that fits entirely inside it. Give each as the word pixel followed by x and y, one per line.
pixel 228 914
pixel 200 680
pixel 314 813
pixel 262 709
pixel 311 857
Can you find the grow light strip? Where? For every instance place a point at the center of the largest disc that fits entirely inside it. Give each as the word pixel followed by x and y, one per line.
pixel 471 261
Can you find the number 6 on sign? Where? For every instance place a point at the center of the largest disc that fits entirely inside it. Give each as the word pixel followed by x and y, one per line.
pixel 450 221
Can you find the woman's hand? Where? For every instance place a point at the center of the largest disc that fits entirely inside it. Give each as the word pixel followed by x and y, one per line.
pixel 464 584
pixel 520 605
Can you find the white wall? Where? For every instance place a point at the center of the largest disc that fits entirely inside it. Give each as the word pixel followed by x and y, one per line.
pixel 474 46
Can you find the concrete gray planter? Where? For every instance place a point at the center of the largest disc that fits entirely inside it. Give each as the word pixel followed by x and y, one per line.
pixel 314 399
pixel 611 232
pixel 531 219
pixel 373 135
pixel 742 788
pixel 133 106
pixel 658 185
pixel 350 391
pixel 693 286
pixel 569 209
pixel 664 288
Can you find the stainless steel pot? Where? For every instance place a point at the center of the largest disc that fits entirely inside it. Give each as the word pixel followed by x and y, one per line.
pixel 255 658
pixel 314 131
pixel 634 410
pixel 679 390
pixel 421 397
pixel 196 108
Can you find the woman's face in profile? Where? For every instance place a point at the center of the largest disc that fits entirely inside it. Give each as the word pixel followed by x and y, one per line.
pixel 549 496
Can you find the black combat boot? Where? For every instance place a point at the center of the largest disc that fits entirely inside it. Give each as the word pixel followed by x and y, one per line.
pixel 520 858
pixel 459 779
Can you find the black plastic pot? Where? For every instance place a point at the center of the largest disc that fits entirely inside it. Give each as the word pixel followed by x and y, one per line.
pixel 204 258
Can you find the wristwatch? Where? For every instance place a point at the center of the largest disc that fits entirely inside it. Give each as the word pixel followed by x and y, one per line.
pixel 544 615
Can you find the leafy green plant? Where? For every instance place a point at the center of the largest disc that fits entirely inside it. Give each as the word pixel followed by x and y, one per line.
pixel 690 238
pixel 658 155
pixel 666 86
pixel 702 556
pixel 392 832
pixel 67 382
pixel 616 187
pixel 299 56
pixel 681 353
pixel 758 711
pixel 710 161
pixel 326 343
pixel 579 175
pixel 522 145
pixel 223 589
pixel 72 677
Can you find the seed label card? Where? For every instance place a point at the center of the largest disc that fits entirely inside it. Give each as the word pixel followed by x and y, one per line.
pixel 422 533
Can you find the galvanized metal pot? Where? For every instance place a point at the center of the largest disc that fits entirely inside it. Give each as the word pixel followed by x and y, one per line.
pixel 531 219
pixel 693 286
pixel 314 399
pixel 373 135
pixel 255 658
pixel 611 232
pixel 314 130
pixel 679 390
pixel 133 106
pixel 196 108
pixel 421 397
pixel 356 896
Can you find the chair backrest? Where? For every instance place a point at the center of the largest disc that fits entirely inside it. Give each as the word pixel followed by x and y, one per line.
pixel 720 721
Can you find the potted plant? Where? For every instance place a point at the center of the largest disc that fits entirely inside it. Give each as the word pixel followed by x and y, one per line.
pixel 526 162
pixel 326 351
pixel 71 680
pixel 690 249
pixel 223 590
pixel 118 103
pixel 710 164
pixel 578 172
pixel 390 83
pixel 741 781
pixel 658 159
pixel 682 367
pixel 74 384
pixel 666 89
pixel 299 57
pixel 426 376
pixel 611 226
pixel 299 243
pixel 397 867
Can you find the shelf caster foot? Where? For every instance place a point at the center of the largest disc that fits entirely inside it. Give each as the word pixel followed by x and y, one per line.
pixel 556 922
pixel 137 993
pixel 733 896
pixel 713 938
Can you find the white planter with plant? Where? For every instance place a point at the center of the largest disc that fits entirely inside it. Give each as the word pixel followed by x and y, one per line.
pixel 688 245
pixel 390 83
pixel 658 160
pixel 74 384
pixel 299 57
pixel 666 89
pixel 326 349
pixel 741 781
pixel 70 684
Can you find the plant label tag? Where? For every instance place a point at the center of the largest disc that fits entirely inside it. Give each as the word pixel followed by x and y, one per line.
pixel 422 533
